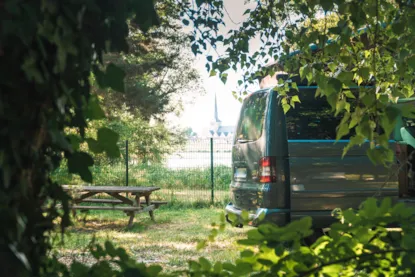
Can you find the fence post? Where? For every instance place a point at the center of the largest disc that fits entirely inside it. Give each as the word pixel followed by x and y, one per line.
pixel 211 171
pixel 126 162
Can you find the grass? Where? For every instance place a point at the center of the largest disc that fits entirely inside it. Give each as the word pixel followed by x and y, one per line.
pixel 170 241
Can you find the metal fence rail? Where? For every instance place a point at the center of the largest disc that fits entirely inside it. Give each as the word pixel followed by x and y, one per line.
pixel 200 172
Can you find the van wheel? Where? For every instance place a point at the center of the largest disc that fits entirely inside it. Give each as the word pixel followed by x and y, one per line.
pixel 317 233
pixel 240 225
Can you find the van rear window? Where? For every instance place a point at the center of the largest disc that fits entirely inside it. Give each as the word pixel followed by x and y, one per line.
pixel 251 119
pixel 312 118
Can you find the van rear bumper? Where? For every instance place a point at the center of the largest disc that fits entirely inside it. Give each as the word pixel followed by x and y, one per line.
pixel 280 217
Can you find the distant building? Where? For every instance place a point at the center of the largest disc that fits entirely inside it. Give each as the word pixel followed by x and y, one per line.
pixel 216 129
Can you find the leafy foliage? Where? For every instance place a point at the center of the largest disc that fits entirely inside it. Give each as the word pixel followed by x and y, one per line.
pixel 353 43
pixel 48 50
pixel 146 142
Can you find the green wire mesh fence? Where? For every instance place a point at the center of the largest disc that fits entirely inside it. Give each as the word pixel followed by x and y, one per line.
pixel 200 172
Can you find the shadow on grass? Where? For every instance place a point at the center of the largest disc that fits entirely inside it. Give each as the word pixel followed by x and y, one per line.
pixel 89 224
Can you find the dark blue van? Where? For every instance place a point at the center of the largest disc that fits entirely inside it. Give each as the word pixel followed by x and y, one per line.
pixel 287 166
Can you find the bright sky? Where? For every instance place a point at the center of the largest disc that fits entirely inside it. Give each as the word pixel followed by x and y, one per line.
pixel 198 115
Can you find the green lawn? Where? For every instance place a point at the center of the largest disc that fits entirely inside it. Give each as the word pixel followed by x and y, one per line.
pixel 170 241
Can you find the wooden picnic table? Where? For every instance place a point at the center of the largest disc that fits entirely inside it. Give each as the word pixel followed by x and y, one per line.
pixel 134 205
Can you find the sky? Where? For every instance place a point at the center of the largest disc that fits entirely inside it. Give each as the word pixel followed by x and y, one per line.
pixel 199 114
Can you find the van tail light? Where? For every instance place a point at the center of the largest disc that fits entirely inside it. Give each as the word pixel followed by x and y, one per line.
pixel 267 170
pixel 398 150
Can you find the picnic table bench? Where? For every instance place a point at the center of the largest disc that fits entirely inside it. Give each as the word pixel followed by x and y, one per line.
pixel 134 205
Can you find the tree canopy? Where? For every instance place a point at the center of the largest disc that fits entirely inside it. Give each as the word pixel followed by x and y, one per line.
pixel 370 42
pixel 159 74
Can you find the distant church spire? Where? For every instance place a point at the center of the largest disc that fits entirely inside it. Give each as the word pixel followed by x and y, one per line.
pixel 216 117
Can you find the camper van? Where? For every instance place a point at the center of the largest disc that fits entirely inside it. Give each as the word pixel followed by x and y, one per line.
pixel 288 166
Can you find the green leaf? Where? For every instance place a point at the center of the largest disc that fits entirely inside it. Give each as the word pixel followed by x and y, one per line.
pixel 295 99
pixel 407 110
pixel 374 155
pixel 247 242
pixel 201 244
pixel 145 14
pixel 398 26
pixel 194 266
pixel 185 22
pixel 388 120
pixel 100 78
pixel 346 77
pixel 115 77
pixel 384 206
pixel 224 77
pixel 200 2
pixel 60 140
pixel 242 268
pixel 217 268
pixel 333 270
pixel 108 139
pixel 326 4
pixel 79 163
pixel 349 94
pixel 79 269
pixel 411 62
pixel 346 59
pixel 154 270
pixel 286 107
pixel 304 72
pixel 229 267
pixel 206 265
pixel 369 207
pixel 332 49
pixel 94 146
pixel 195 48
pixel 332 67
pixel 333 86
pixel 255 234
pixel 265 262
pixel 342 130
pixel 94 110
pixel 247 253
pixel 75 141
pixel 364 72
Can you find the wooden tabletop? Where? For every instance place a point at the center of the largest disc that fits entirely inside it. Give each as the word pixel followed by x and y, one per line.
pixel 109 189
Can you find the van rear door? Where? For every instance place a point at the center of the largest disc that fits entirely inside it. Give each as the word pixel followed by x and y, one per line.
pixel 248 148
pixel 321 180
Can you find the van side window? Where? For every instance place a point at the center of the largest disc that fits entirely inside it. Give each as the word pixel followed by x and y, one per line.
pixel 312 119
pixel 251 119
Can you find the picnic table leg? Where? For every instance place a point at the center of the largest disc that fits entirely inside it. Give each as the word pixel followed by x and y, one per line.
pixel 132 214
pixel 131 220
pixel 147 197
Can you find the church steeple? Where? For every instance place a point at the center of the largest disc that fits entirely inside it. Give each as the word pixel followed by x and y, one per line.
pixel 215 116
pixel 215 123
